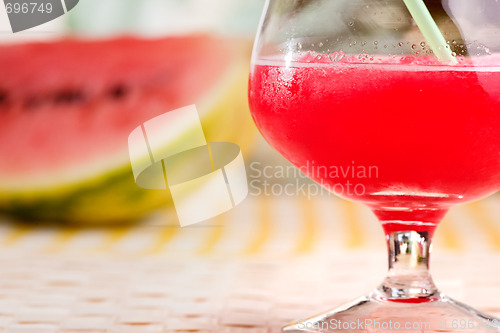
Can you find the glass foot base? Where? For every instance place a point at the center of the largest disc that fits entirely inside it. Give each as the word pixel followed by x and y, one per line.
pixel 369 314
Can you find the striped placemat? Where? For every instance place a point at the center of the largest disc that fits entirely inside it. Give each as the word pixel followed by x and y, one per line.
pixel 276 227
pixel 269 261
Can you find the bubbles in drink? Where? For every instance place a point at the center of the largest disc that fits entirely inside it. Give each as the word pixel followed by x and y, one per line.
pixel 422 44
pixel 414 46
pixel 336 56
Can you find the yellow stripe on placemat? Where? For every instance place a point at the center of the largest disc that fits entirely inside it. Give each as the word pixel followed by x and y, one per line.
pixel 264 226
pixel 485 223
pixel 306 237
pixel 165 235
pixel 63 237
pixel 115 235
pixel 355 234
pixel 448 236
pixel 15 234
pixel 215 235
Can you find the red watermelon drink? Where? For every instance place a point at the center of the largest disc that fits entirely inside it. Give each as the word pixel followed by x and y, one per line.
pixel 409 137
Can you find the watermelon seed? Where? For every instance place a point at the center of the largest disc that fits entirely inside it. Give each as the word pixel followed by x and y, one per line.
pixel 118 92
pixel 3 97
pixel 69 96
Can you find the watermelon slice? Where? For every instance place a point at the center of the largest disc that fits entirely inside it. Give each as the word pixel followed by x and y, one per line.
pixel 67 108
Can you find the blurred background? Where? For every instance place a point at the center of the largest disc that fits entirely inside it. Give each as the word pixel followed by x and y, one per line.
pixel 150 18
pixel 83 249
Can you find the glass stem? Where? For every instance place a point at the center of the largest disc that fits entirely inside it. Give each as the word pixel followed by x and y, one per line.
pixel 409 278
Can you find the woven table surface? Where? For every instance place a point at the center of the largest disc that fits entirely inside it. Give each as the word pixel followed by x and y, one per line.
pixel 267 262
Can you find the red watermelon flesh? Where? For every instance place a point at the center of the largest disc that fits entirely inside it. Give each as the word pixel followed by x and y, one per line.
pixel 67 107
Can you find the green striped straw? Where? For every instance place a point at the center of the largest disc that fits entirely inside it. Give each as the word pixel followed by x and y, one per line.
pixel 430 30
